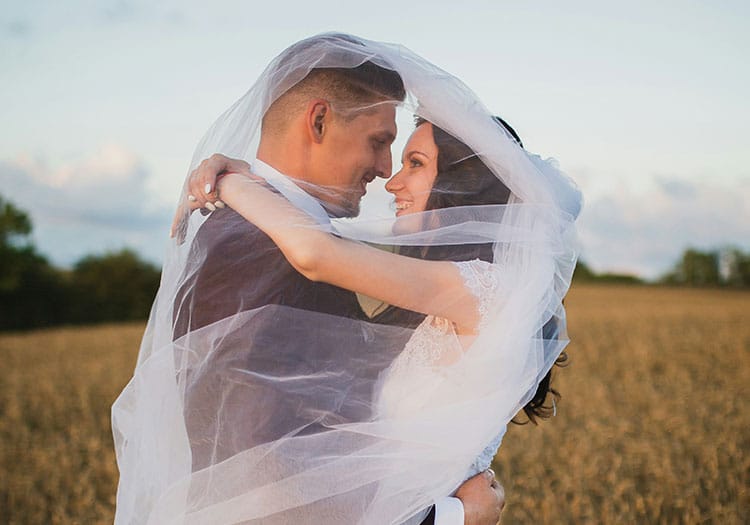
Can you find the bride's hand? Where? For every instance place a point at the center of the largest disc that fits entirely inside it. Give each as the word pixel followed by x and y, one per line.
pixel 201 189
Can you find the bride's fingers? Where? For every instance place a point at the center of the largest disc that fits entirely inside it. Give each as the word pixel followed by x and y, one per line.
pixel 205 181
pixel 204 193
pixel 201 192
pixel 202 183
pixel 208 190
pixel 193 196
pixel 179 224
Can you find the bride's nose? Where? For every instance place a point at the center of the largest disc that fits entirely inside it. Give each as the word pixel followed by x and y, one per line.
pixel 395 183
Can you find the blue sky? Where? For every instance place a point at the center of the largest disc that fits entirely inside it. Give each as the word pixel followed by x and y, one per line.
pixel 644 104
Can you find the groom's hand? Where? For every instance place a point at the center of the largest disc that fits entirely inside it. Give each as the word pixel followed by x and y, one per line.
pixel 483 498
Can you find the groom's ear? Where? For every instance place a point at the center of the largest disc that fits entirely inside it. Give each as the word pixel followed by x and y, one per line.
pixel 317 119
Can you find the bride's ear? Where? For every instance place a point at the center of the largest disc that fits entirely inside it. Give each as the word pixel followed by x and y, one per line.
pixel 318 116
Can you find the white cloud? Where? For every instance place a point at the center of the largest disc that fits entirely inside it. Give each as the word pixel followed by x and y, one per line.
pixel 106 166
pixel 95 203
pixel 645 231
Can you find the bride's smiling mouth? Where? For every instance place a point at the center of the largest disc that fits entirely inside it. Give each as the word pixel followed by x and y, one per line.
pixel 402 206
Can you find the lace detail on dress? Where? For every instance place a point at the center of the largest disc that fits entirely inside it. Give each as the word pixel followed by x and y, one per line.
pixel 414 377
pixel 482 279
pixel 484 460
pixel 416 372
pixel 431 340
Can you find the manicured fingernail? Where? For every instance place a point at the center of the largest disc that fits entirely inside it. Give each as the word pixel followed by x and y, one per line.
pixel 208 188
pixel 220 204
pixel 191 198
pixel 210 206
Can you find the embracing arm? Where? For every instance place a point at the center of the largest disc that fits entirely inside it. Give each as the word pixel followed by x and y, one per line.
pixel 431 287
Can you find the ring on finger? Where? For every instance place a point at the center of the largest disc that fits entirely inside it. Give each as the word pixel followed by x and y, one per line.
pixel 191 198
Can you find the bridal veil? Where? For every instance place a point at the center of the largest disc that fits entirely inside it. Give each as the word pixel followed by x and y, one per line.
pixel 198 441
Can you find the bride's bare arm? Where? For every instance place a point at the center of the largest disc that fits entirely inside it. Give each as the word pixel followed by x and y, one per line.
pixel 430 287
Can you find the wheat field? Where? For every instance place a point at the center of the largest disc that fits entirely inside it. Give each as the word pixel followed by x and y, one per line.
pixel 652 426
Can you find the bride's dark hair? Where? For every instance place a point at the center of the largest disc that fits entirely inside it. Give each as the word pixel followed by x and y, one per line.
pixel 464 180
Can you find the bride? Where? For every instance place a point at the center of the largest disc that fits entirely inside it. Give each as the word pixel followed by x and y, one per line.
pixel 272 413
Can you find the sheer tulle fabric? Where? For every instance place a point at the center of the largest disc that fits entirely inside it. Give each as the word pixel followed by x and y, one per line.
pixel 270 413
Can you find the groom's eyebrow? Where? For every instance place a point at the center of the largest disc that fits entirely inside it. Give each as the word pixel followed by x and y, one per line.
pixel 387 136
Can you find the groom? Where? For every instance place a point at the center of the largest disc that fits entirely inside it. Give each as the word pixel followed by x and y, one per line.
pixel 314 133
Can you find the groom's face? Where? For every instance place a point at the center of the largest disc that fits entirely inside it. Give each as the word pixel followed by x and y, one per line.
pixel 353 153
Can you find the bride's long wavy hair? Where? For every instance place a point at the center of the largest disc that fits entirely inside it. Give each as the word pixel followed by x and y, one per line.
pixel 464 180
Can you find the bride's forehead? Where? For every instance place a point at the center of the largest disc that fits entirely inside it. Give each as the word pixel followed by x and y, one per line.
pixel 422 136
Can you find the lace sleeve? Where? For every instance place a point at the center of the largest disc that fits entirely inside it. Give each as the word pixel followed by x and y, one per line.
pixel 482 279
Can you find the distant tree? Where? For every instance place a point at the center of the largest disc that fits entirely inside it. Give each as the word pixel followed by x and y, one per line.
pixel 670 278
pixel 32 292
pixel 696 268
pixel 618 278
pixel 15 226
pixel 738 268
pixel 14 223
pixel 112 287
pixel 700 268
pixel 582 272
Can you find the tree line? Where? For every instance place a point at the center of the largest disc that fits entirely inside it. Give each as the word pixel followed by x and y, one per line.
pixel 120 286
pixel 728 267
pixel 115 286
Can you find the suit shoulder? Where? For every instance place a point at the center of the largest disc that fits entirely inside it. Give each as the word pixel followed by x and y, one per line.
pixel 226 234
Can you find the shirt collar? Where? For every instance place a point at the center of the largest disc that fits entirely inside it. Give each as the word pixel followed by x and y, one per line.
pixel 294 194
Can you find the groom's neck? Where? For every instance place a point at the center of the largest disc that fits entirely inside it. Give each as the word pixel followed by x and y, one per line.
pixel 291 161
pixel 284 155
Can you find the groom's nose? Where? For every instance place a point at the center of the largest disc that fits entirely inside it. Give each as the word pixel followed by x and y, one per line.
pixel 384 166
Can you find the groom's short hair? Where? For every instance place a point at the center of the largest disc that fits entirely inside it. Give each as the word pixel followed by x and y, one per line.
pixel 347 89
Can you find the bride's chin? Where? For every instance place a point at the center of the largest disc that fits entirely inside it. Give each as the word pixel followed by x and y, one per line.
pixel 406 223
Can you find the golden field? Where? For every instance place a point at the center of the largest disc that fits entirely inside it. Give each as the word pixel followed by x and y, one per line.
pixel 652 428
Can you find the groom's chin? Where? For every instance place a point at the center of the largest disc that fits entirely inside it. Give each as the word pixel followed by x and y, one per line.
pixel 344 210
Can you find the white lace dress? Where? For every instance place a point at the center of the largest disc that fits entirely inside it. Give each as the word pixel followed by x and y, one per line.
pixel 418 372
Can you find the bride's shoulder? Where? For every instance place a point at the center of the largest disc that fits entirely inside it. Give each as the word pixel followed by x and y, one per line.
pixel 479 275
pixel 484 280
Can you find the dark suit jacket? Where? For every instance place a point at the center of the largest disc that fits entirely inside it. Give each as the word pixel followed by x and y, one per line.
pixel 241 269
